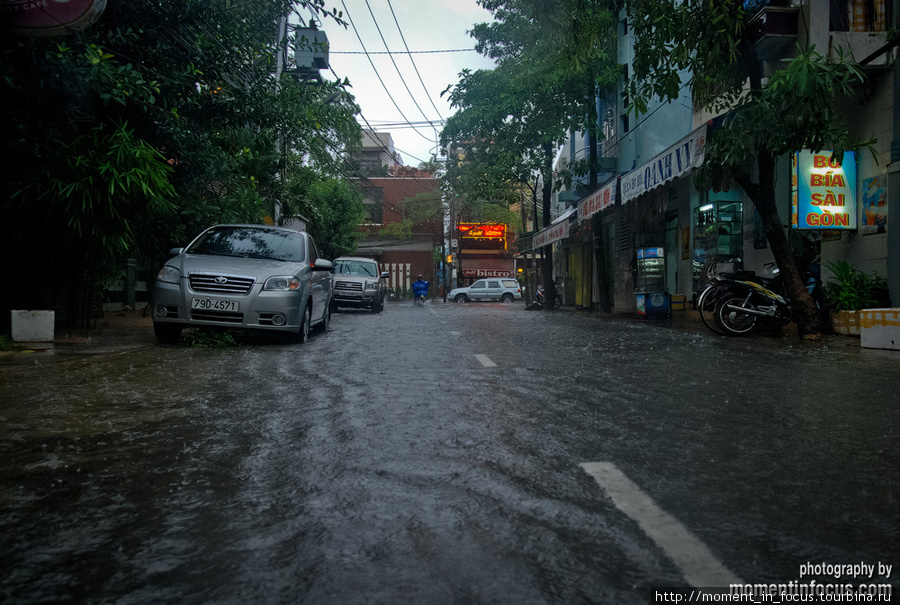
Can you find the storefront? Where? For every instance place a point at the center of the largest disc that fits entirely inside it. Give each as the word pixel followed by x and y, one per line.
pixel 483 252
pixel 657 214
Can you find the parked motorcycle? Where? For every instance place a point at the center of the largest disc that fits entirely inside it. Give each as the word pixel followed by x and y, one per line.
pixel 540 300
pixel 736 304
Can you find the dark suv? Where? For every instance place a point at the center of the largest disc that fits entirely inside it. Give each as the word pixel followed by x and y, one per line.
pixel 357 283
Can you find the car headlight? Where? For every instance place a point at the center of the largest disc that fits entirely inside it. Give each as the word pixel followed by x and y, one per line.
pixel 169 274
pixel 284 283
pixel 371 285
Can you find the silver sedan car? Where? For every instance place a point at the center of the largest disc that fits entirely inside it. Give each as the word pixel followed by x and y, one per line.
pixel 245 277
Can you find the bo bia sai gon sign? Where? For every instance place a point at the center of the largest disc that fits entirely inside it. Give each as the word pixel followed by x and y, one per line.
pixel 823 191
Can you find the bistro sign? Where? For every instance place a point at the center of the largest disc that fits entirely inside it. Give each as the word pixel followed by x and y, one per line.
pixel 675 162
pixel 486 273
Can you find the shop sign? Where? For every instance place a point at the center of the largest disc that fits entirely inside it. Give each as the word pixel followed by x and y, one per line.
pixel 597 201
pixel 51 17
pixel 487 273
pixel 481 231
pixel 823 192
pixel 553 233
pixel 675 162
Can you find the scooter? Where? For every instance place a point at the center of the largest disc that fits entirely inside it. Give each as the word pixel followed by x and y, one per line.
pixel 742 301
pixel 539 300
pixel 420 293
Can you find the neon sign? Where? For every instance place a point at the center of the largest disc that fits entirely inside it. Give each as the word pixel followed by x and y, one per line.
pixel 481 231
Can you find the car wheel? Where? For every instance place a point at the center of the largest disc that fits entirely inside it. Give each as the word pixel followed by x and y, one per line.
pixel 506 298
pixel 461 298
pixel 303 334
pixel 378 307
pixel 166 333
pixel 326 320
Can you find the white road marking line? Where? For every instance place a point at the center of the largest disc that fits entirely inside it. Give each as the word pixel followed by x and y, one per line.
pixel 696 562
pixel 485 360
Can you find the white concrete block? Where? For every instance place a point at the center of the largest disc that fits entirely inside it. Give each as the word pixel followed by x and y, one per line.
pixel 879 329
pixel 33 326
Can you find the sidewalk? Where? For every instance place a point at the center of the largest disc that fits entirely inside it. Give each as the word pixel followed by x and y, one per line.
pixel 120 331
pixel 117 331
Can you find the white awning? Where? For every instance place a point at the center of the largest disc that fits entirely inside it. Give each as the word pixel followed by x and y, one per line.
pixel 555 231
pixel 597 201
pixel 674 162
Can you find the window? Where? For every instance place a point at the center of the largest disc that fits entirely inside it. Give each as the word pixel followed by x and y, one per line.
pixel 493 284
pixel 373 205
pixel 478 284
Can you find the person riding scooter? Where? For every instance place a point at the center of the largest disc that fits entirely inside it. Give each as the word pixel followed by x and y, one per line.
pixel 420 290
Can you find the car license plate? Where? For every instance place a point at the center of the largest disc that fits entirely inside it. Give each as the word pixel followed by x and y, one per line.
pixel 212 304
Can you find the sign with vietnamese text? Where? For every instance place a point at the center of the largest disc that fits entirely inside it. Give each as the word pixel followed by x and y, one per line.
pixel 823 191
pixel 601 199
pixel 676 161
pixel 482 231
pixel 548 235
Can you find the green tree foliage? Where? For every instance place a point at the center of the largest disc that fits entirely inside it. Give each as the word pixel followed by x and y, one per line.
pixel 553 58
pixel 333 208
pixel 162 118
pixel 705 46
pixel 421 211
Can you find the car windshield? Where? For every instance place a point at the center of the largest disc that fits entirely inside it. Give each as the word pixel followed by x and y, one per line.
pixel 352 267
pixel 251 242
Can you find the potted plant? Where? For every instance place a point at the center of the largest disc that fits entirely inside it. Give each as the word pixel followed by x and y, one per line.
pixel 850 290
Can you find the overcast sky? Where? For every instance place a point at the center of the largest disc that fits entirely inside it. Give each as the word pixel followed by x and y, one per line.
pixel 424 25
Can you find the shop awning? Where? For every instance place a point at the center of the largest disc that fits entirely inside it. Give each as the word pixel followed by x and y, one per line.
pixel 555 231
pixel 597 201
pixel 674 162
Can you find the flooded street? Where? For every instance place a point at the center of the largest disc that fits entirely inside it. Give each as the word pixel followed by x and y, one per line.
pixel 434 455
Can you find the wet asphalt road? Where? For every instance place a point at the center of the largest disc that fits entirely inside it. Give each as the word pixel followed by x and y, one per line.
pixel 433 455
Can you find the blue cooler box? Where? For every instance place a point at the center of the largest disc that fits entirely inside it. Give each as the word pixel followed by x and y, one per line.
pixel 653 304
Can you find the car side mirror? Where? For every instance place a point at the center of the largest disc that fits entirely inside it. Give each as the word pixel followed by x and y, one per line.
pixel 322 265
pixel 385 275
pixel 175 251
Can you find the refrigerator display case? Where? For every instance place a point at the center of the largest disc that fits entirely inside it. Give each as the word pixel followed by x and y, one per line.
pixel 650 290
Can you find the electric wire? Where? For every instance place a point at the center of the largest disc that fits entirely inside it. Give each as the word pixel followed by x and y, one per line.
pixel 370 127
pixel 391 57
pixel 378 75
pixel 411 60
pixel 406 52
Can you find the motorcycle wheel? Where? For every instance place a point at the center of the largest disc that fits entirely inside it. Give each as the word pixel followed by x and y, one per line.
pixel 706 305
pixel 733 322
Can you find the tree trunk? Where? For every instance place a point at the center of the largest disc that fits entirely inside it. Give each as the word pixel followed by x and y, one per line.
pixel 547 251
pixel 809 321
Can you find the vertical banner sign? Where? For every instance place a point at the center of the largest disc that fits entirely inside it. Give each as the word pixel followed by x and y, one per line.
pixel 824 191
pixel 874 205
